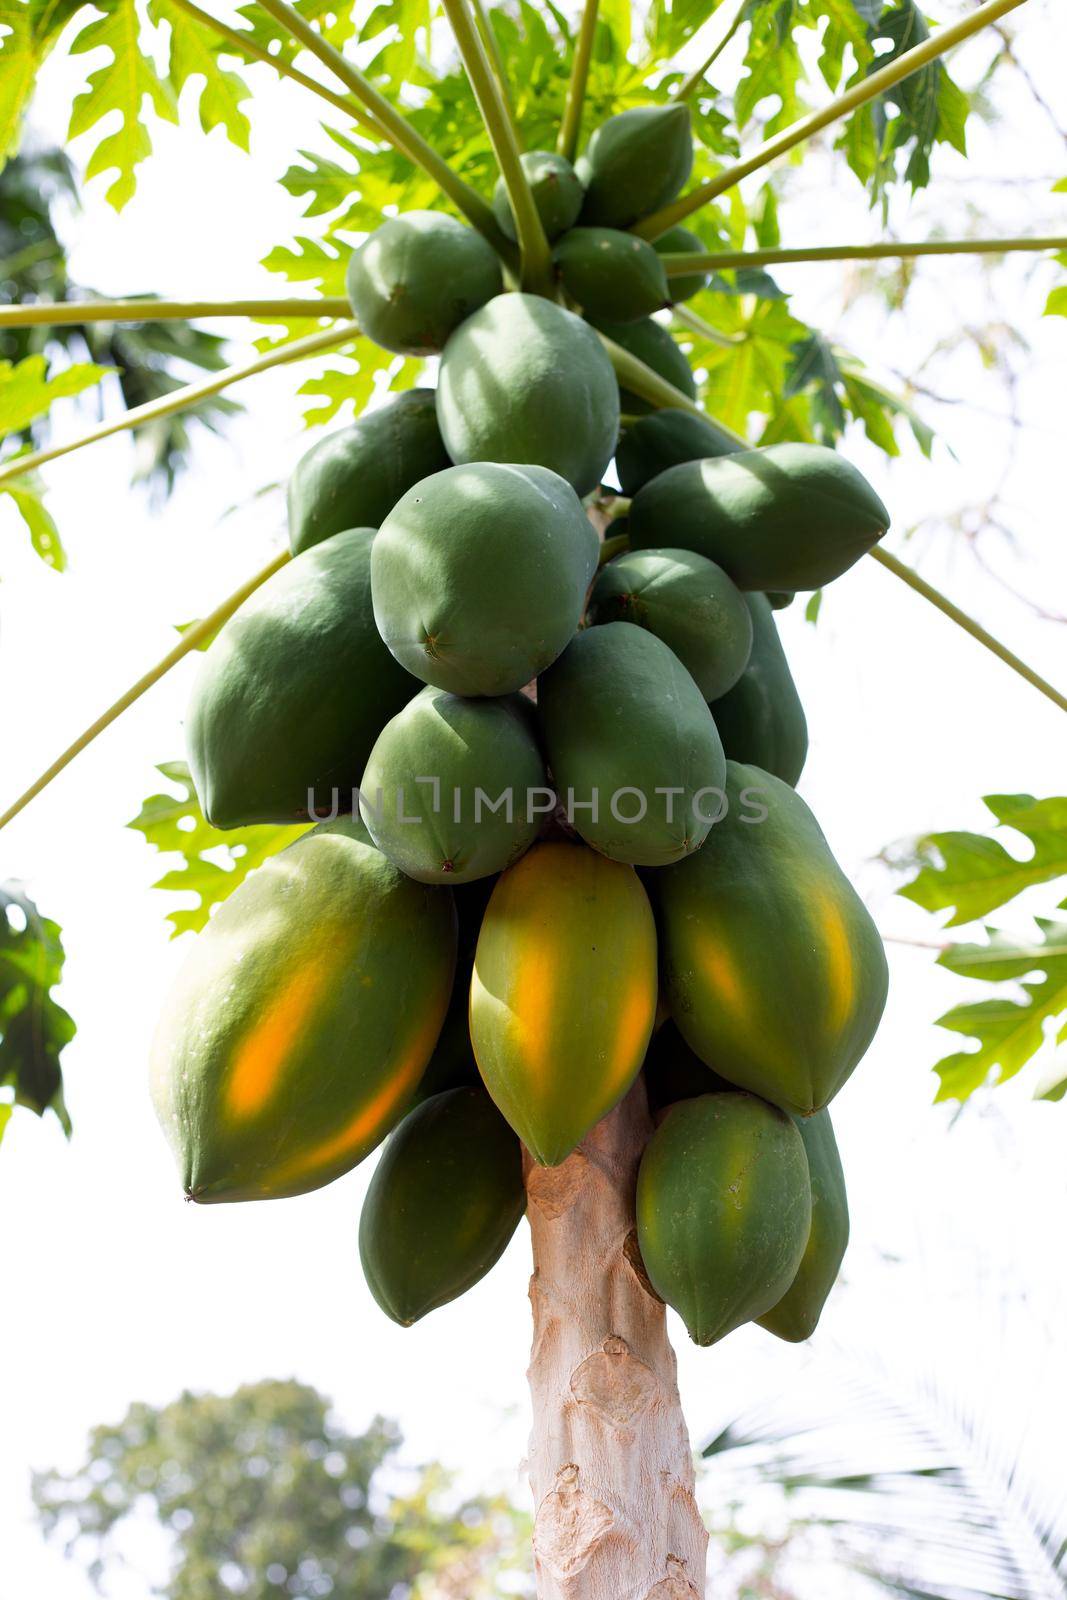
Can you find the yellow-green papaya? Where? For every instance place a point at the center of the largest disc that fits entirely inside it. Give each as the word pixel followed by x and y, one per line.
pixel 415 279
pixel 687 602
pixel 294 691
pixel 563 993
pixel 679 241
pixel 479 575
pixel 611 274
pixel 791 516
pixel 761 720
pixel 302 1020
pixel 455 788
pixel 557 193
pixel 797 1313
pixel 524 380
pixel 650 342
pixel 632 746
pixel 353 478
pixel 661 439
pixel 446 1197
pixel 634 163
pixel 772 966
pixel 723 1211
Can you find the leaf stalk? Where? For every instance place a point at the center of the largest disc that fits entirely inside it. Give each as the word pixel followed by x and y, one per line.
pixel 53 313
pixel 571 126
pixel 678 263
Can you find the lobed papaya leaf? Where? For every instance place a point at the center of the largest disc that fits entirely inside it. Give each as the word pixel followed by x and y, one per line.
pixel 28 31
pixel 194 53
pixel 34 1028
pixel 28 389
pixel 27 495
pixel 121 85
pixel 175 825
pixel 1008 1032
pixel 971 874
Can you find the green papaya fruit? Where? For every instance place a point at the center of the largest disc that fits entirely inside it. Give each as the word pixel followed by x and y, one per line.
pixel 563 994
pixel 661 439
pixel 761 720
pixel 723 1211
pixel 302 1020
pixel 557 193
pixel 294 691
pixel 452 1065
pixel 524 380
pixel 687 602
pixel 610 274
pixel 353 478
pixel 772 966
pixel 479 576
pixel 454 788
pixel 792 516
pixel 797 1313
pixel 632 746
pixel 650 342
pixel 634 163
pixel 678 241
pixel 444 1201
pixel 673 1072
pixel 415 279
pixel 779 599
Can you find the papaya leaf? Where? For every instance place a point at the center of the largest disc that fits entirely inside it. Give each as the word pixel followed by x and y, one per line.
pixel 28 30
pixel 213 862
pixel 27 494
pixel 813 607
pixel 194 53
pixel 1008 1032
pixel 972 874
pixel 34 1028
pixel 28 389
pixel 121 85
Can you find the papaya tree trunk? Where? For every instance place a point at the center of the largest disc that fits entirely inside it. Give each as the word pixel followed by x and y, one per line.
pixel 610 1461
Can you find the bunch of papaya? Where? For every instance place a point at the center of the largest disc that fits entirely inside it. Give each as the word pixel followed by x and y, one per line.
pixel 560 857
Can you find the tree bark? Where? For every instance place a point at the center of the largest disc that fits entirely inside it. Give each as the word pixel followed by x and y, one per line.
pixel 610 1461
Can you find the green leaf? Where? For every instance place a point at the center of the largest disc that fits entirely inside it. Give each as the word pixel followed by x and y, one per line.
pixel 972 874
pixel 27 493
pixel 213 863
pixel 121 85
pixel 1056 305
pixel 194 53
pixel 813 607
pixel 28 30
pixel 1008 1032
pixel 34 1029
pixel 28 389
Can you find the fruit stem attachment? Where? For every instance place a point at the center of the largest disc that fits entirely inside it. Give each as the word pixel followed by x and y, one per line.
pixel 396 128
pixel 869 89
pixel 51 313
pixel 571 126
pixel 246 47
pixel 182 399
pixel 967 623
pixel 640 379
pixel 695 324
pixel 190 640
pixel 725 24
pixel 679 264
pixel 535 268
pixel 612 547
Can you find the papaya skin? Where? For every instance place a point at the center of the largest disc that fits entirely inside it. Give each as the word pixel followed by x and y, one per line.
pixel 353 478
pixel 677 241
pixel 621 713
pixel 634 163
pixel 610 274
pixel 446 1197
pixel 524 380
pixel 723 1211
pixel 650 342
pixel 556 189
pixel 469 747
pixel 293 692
pixel 672 1071
pixel 415 279
pixel 563 993
pixel 791 516
pixel 772 967
pixel 687 602
pixel 761 720
pixel 797 1313
pixel 299 1027
pixel 665 438
pixel 479 576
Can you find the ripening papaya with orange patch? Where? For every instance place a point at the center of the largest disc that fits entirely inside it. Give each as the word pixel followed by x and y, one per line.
pixel 772 968
pixel 563 993
pixel 303 1019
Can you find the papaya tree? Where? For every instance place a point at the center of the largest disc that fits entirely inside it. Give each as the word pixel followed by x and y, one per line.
pixel 507 733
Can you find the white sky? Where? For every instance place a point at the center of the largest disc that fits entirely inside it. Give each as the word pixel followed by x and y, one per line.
pixel 115 1289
